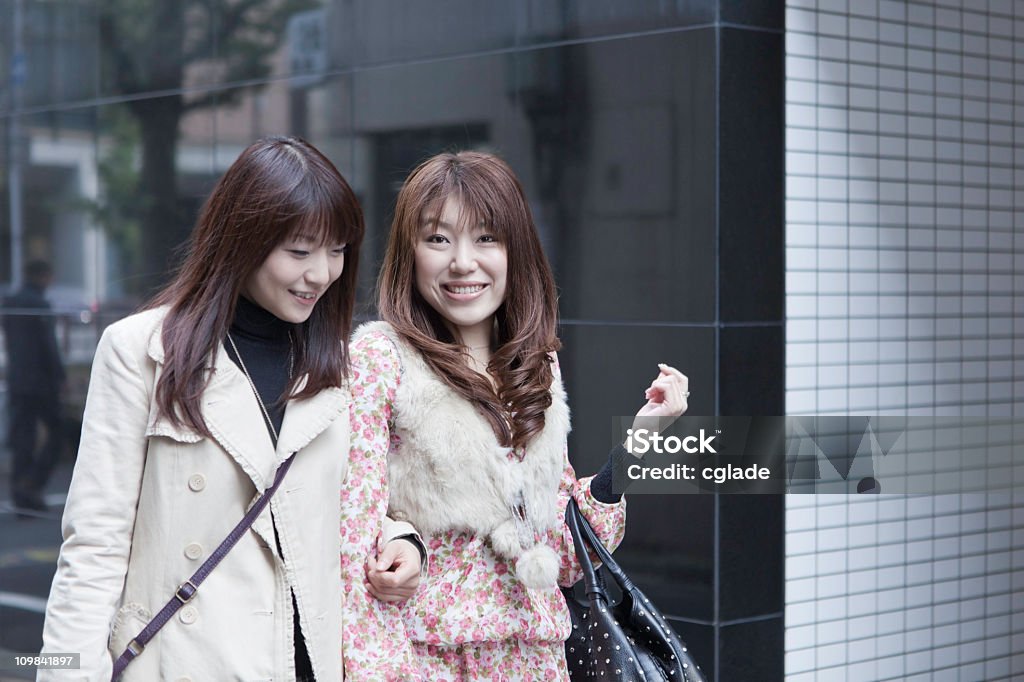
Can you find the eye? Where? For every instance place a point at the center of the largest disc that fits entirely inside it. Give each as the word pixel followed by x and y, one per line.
pixel 488 239
pixel 436 239
pixel 340 250
pixel 298 253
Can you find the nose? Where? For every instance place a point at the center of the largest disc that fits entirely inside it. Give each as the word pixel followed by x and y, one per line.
pixel 464 257
pixel 318 274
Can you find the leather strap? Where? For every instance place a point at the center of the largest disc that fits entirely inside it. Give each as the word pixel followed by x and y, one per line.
pixel 187 590
pixel 599 549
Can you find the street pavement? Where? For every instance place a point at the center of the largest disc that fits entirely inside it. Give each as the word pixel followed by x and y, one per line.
pixel 28 558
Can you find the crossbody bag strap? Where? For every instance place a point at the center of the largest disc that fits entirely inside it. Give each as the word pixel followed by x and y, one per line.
pixel 187 590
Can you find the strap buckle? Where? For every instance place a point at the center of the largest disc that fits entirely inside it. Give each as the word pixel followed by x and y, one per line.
pixel 186 591
pixel 135 647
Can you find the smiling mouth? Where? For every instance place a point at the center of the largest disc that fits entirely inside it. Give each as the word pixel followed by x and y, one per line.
pixel 304 295
pixel 471 289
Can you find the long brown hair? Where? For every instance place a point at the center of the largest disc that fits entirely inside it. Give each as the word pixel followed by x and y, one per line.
pixel 525 329
pixel 277 188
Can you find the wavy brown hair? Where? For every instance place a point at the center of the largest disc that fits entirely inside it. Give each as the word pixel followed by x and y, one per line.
pixel 278 188
pixel 525 323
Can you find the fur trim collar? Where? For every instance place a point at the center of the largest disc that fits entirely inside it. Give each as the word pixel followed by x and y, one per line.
pixel 448 471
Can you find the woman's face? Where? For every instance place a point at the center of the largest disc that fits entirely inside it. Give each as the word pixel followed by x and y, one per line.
pixel 294 277
pixel 460 271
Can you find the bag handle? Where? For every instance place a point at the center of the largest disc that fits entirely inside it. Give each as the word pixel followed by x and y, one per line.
pixel 187 590
pixel 595 543
pixel 574 519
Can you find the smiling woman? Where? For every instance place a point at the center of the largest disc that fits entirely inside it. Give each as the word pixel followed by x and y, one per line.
pixel 461 269
pixel 473 419
pixel 294 277
pixel 198 406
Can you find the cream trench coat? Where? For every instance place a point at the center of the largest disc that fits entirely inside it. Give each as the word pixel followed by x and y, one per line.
pixel 149 502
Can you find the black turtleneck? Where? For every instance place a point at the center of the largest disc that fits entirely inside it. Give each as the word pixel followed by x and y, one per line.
pixel 264 343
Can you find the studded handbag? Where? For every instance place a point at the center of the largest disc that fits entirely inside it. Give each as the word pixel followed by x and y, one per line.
pixel 630 640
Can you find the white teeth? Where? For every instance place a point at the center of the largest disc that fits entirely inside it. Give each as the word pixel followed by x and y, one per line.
pixel 304 295
pixel 466 290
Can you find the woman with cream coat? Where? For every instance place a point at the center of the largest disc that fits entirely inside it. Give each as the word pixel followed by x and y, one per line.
pixel 193 405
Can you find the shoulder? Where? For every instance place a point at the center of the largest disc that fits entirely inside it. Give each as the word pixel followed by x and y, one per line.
pixel 375 350
pixel 142 323
pixel 374 332
pixel 374 339
pixel 136 334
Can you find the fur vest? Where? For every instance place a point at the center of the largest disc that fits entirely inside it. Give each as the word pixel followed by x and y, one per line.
pixel 447 471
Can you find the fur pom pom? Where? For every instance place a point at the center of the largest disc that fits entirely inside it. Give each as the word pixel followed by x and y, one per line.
pixel 505 540
pixel 537 568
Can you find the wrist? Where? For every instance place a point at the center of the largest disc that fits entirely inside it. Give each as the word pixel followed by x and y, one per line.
pixel 416 542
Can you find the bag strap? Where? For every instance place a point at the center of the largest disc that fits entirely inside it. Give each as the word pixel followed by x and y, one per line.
pixel 187 590
pixel 578 525
pixel 593 581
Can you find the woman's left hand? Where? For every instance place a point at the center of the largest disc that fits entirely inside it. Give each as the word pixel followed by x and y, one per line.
pixel 666 398
pixel 394 575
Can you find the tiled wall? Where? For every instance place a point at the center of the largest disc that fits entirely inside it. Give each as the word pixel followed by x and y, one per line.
pixel 905 267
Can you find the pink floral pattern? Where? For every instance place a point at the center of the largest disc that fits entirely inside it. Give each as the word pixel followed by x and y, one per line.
pixel 374 644
pixel 471 618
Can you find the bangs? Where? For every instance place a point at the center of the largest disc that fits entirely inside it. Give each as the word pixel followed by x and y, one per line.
pixel 479 208
pixel 321 213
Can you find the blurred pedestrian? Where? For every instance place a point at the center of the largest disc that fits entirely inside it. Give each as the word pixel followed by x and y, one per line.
pixel 35 376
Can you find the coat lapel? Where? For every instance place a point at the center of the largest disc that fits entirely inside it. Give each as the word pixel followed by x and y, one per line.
pixel 306 419
pixel 236 421
pixel 237 424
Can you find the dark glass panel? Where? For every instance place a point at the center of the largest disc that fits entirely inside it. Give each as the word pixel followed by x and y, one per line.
pixel 389 31
pixel 628 167
pixel 761 13
pixel 751 176
pixel 573 19
pixel 752 651
pixel 751 531
pixel 751 365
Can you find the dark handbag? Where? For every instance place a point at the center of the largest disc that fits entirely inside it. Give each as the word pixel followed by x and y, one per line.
pixel 627 641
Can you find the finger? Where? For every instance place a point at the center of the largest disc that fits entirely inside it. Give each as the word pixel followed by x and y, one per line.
pixel 672 397
pixel 388 556
pixel 405 572
pixel 654 393
pixel 394 586
pixel 371 566
pixel 672 371
pixel 664 388
pixel 680 382
pixel 386 582
pixel 373 586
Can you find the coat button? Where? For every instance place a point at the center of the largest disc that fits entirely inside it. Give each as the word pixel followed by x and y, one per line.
pixel 196 482
pixel 194 550
pixel 188 615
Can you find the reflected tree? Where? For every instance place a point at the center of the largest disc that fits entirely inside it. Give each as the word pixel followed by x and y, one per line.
pixel 168 49
pixel 120 209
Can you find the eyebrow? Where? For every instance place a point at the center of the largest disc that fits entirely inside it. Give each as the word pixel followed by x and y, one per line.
pixel 428 222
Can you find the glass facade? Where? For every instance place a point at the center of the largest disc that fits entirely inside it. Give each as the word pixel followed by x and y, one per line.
pixel 120 115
